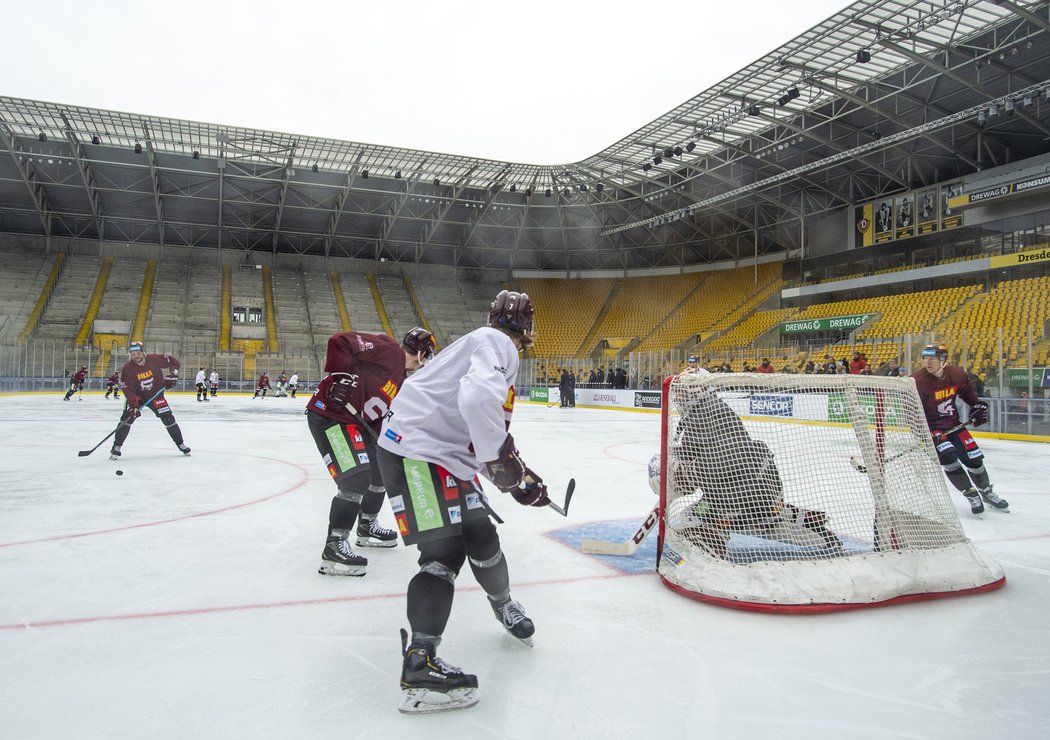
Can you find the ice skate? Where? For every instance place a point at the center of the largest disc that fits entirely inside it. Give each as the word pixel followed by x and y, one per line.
pixel 370 533
pixel 338 559
pixel 513 619
pixel 976 507
pixel 114 452
pixel 184 449
pixel 993 499
pixel 429 684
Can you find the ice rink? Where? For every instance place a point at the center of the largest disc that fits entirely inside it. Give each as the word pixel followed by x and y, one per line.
pixel 182 600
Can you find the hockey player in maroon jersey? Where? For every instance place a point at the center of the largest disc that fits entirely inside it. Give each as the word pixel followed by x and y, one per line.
pixel 939 384
pixel 113 385
pixel 143 380
pixel 365 373
pixel 262 385
pixel 76 382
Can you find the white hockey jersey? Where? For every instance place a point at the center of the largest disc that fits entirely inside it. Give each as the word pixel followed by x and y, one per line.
pixel 294 380
pixel 200 377
pixel 462 397
pixel 213 378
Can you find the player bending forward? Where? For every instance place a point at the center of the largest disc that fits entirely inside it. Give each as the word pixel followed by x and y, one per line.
pixel 143 380
pixel 76 382
pixel 939 384
pixel 447 424
pixel 366 371
pixel 738 483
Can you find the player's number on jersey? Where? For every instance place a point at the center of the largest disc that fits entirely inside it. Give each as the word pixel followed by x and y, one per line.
pixel 374 408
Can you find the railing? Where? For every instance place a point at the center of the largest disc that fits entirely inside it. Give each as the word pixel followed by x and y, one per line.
pixel 45 364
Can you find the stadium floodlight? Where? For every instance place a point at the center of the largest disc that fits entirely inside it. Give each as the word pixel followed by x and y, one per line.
pixel 314 168
pixel 1009 106
pixel 646 167
pixel 863 56
pixel 138 148
pixel 513 188
pixel 96 139
pixel 196 154
pixel 547 193
pixel 658 159
pixel 364 174
pixel 678 151
pixel 42 137
pixel 753 109
pixel 397 175
pixel 690 146
pixel 787 97
pixel 437 182
pixel 599 187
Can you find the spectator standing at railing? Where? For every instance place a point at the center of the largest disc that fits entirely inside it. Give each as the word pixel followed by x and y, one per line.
pixel 858 364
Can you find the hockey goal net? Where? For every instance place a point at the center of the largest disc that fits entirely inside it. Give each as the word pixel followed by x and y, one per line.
pixel 785 492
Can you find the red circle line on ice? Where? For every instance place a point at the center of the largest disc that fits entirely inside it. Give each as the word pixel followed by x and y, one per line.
pixel 141 525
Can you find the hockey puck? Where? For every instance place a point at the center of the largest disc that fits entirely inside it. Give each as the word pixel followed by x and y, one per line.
pixel 120 472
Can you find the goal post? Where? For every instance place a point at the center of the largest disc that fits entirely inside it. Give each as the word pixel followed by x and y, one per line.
pixel 796 493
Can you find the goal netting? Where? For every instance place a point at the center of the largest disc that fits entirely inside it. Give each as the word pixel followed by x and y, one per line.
pixel 785 492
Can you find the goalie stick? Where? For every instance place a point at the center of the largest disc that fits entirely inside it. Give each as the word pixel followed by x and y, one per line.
pixel 602 547
pixel 862 468
pixel 85 453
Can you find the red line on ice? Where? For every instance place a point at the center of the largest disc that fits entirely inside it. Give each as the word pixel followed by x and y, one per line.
pixel 29 625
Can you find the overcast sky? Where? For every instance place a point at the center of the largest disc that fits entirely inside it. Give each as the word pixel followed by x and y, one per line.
pixel 538 82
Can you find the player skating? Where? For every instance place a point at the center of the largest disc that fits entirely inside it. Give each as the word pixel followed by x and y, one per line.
pixel 262 385
pixel 939 384
pixel 113 385
pixel 448 423
pixel 201 384
pixel 76 382
pixel 365 373
pixel 144 381
pixel 282 382
pixel 293 383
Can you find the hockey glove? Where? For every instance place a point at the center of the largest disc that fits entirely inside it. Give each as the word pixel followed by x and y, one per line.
pixel 171 382
pixel 532 491
pixel 134 411
pixel 507 470
pixel 979 414
pixel 343 385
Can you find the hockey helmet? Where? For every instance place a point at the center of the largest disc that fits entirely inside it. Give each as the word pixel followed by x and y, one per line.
pixel 935 350
pixel 512 311
pixel 135 347
pixel 693 359
pixel 419 340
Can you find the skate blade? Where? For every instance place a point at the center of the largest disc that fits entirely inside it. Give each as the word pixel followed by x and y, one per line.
pixel 334 569
pixel 369 542
pixel 426 701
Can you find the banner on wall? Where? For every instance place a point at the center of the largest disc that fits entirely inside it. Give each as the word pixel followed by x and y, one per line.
pixel 950 217
pixel 904 213
pixel 926 211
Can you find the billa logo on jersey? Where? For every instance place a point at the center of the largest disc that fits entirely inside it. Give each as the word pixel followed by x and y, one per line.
pixel 402 523
pixel 944 393
pixel 143 375
pixel 508 404
pixel 390 389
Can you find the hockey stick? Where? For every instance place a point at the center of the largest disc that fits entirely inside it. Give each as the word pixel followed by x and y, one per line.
pixel 601 547
pixel 862 468
pixel 85 453
pixel 564 508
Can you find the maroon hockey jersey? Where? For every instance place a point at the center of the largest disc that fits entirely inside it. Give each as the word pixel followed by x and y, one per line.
pixel 140 382
pixel 376 366
pixel 938 396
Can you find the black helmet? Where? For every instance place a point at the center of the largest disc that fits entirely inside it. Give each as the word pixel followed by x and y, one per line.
pixel 936 350
pixel 419 340
pixel 512 311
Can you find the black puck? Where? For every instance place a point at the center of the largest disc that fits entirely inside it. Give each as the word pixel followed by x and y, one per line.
pixel 120 472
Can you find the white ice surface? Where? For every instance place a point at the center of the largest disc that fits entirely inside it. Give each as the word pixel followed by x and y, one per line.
pixel 182 600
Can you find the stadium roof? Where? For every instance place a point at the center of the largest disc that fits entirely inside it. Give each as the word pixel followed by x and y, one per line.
pixel 883 97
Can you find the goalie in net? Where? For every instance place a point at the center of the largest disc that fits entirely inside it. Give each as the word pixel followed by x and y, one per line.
pixel 765 505
pixel 731 484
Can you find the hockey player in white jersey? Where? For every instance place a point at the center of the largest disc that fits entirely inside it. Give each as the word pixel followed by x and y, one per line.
pixel 202 385
pixel 448 423
pixel 213 381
